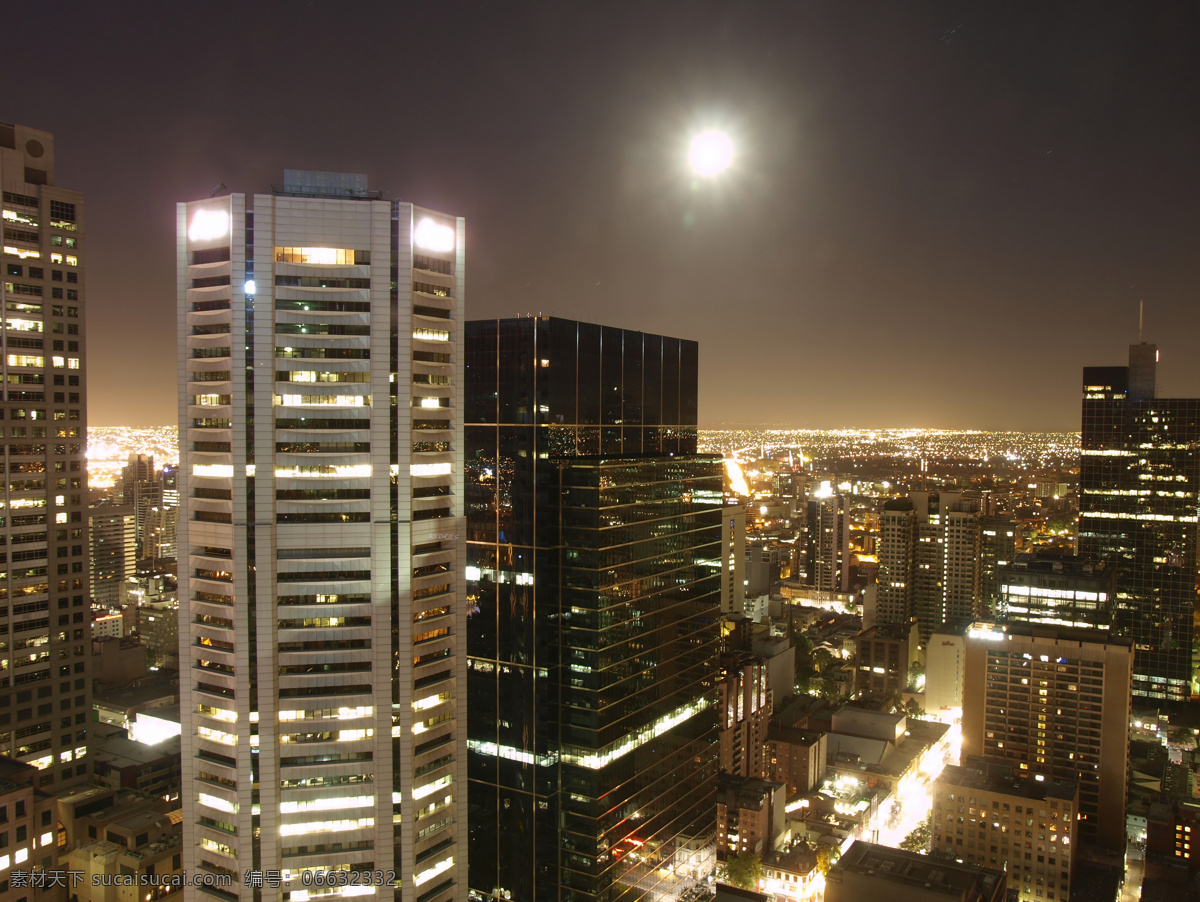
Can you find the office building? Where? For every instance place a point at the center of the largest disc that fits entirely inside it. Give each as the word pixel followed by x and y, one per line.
pixel 869 871
pixel 45 689
pixel 320 398
pixel 1139 479
pixel 929 561
pixel 986 813
pixel 1055 703
pixel 1056 591
pixel 594 586
pixel 114 551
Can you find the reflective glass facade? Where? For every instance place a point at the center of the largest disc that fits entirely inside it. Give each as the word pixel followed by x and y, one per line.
pixel 1138 483
pixel 594 603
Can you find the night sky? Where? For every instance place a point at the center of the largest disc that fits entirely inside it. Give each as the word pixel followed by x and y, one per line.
pixel 938 212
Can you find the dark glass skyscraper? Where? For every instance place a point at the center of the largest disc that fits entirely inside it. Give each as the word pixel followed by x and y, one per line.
pixel 1138 483
pixel 594 605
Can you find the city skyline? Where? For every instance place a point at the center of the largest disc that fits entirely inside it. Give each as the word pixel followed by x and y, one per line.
pixel 571 590
pixel 897 176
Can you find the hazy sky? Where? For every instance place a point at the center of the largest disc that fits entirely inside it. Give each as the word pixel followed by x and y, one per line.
pixel 938 212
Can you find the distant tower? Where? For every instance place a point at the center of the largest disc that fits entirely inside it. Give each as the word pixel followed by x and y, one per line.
pixel 1143 366
pixel 1134 446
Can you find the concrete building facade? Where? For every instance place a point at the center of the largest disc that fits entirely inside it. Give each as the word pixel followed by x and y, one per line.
pixel 985 814
pixel 320 546
pixel 1055 703
pixel 45 690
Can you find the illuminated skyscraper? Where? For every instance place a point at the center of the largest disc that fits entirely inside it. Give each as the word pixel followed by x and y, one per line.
pixel 594 586
pixel 1139 479
pixel 45 690
pixel 320 335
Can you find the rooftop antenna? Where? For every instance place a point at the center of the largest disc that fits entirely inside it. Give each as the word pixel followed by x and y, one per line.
pixel 1141 310
pixel 217 190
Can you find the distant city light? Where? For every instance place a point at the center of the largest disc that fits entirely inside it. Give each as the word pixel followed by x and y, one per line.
pixel 250 286
pixel 711 153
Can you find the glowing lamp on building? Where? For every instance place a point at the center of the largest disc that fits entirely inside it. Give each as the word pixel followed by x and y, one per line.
pixel 208 225
pixel 985 633
pixel 433 236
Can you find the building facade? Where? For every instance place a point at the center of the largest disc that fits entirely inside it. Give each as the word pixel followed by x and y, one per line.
pixel 930 548
pixel 733 551
pixel 1139 480
pixel 320 335
pixel 897 561
pixel 45 690
pixel 997 548
pixel 29 832
pixel 1054 702
pixel 750 815
pixel 114 551
pixel 985 814
pixel 796 758
pixel 945 662
pixel 594 586
pixel 1057 591
pixel 826 533
pixel 744 706
pixel 883 655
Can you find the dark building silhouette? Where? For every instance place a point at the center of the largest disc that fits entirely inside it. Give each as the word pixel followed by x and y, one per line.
pixel 594 581
pixel 1138 483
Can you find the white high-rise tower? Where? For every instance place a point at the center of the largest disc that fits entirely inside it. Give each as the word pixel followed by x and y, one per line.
pixel 321 541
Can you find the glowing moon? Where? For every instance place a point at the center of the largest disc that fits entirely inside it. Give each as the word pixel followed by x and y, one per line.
pixel 710 153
